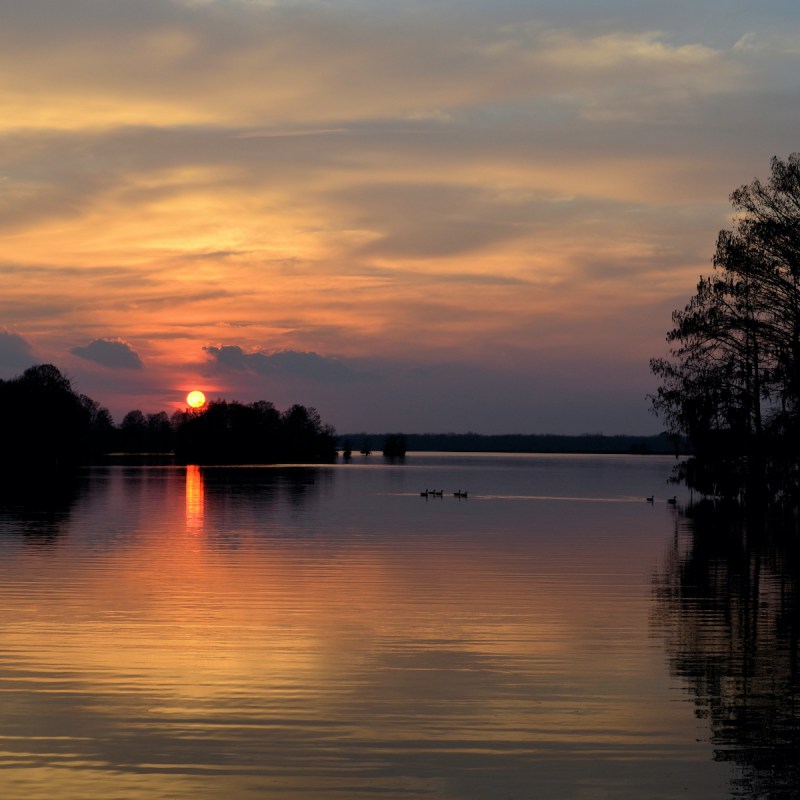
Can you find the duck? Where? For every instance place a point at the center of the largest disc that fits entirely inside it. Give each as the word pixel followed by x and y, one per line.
pixel 650 499
pixel 673 500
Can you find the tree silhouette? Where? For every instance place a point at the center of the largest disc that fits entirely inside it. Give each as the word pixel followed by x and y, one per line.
pixel 305 437
pixel 232 432
pixel 133 430
pixel 102 433
pixel 394 445
pixel 731 382
pixel 46 426
pixel 159 437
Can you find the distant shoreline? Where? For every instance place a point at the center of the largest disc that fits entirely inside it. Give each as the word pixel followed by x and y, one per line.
pixel 589 444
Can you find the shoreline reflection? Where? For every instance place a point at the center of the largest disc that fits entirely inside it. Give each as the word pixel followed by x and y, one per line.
pixel 728 607
pixel 39 509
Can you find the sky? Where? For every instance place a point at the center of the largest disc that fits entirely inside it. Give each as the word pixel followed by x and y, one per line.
pixel 450 215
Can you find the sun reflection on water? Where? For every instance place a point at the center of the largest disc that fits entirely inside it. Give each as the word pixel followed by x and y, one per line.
pixel 195 498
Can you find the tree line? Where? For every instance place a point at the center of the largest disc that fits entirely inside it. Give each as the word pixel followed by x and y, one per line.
pixel 395 445
pixel 592 443
pixel 49 427
pixel 731 380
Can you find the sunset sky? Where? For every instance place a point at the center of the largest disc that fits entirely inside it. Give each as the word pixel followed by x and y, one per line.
pixel 447 215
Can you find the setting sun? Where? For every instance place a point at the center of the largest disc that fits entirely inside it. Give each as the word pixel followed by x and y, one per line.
pixel 196 399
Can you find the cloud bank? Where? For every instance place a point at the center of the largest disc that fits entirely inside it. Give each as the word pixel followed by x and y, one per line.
pixel 112 353
pixel 286 363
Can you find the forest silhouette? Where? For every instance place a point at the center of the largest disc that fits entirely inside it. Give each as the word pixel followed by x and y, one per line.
pixel 49 428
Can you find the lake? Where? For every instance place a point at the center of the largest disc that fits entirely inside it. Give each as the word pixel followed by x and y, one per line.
pixel 327 632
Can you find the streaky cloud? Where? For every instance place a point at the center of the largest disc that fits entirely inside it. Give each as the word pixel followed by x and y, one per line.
pixel 268 133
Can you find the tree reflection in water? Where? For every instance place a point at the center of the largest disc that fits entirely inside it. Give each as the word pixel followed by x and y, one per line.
pixel 727 606
pixel 39 508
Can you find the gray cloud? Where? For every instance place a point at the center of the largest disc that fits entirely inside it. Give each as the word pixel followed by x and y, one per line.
pixel 377 63
pixel 16 354
pixel 287 363
pixel 112 353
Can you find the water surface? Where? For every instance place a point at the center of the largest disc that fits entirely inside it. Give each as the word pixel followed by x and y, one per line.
pixel 268 632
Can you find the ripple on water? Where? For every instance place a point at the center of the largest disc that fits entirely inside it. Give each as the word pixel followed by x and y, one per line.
pixel 256 633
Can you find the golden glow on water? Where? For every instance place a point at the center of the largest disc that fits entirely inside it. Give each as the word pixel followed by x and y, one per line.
pixel 301 649
pixel 195 498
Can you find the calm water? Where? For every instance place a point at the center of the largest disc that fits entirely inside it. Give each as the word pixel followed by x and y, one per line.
pixel 242 633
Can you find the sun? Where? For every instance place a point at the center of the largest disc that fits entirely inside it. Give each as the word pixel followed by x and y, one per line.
pixel 196 399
